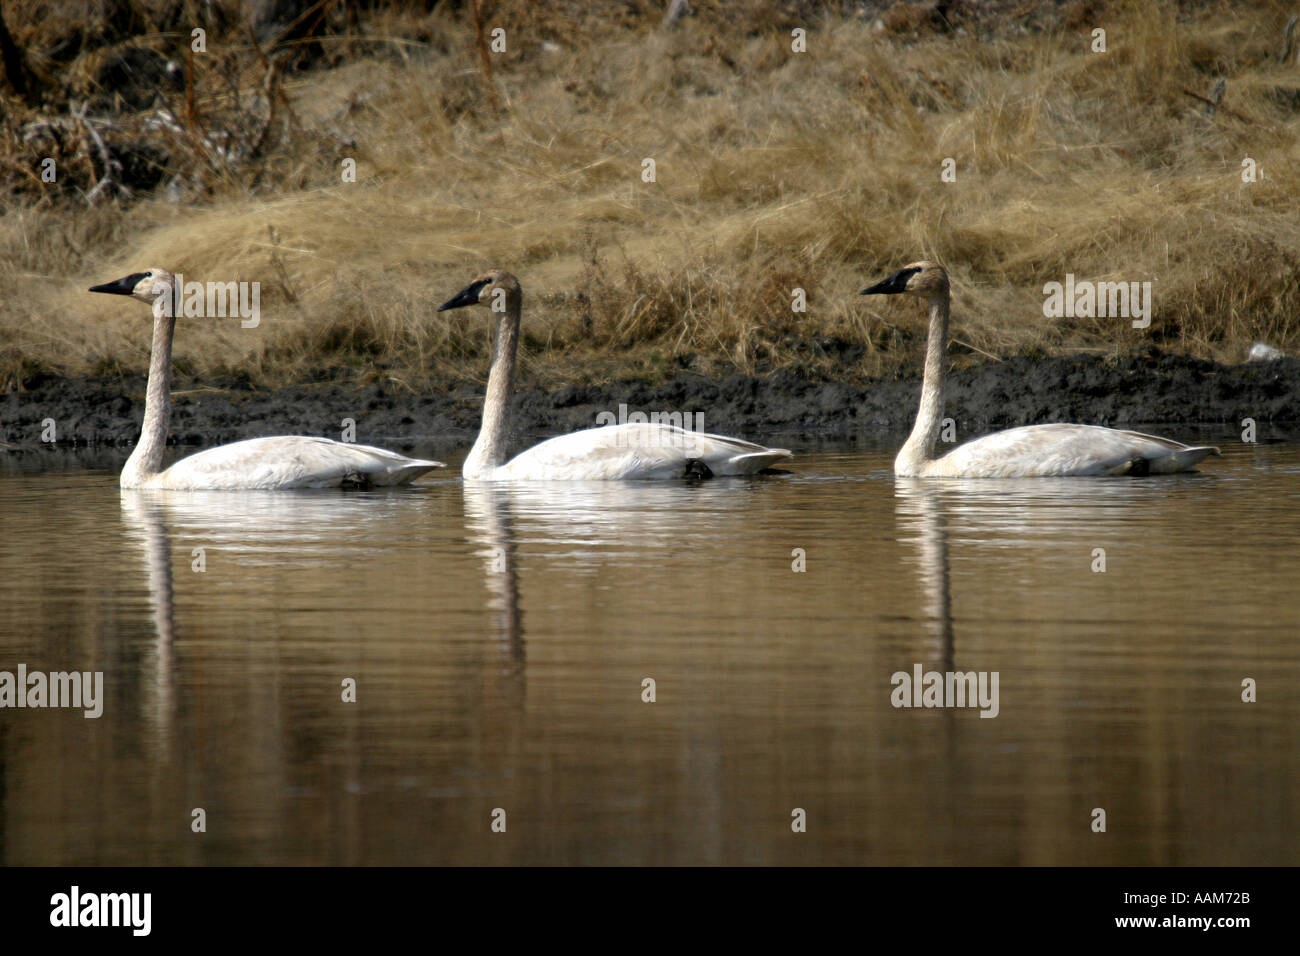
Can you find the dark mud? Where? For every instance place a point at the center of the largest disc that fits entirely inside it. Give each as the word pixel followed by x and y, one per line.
pixel 1152 387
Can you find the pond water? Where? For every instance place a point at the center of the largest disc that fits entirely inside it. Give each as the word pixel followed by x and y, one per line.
pixel 500 640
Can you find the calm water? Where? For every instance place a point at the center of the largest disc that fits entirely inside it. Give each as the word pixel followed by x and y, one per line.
pixel 499 638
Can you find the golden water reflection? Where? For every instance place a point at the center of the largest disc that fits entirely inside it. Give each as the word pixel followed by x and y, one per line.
pixel 499 638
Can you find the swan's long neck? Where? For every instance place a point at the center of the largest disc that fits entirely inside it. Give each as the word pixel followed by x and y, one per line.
pixel 489 451
pixel 919 448
pixel 146 460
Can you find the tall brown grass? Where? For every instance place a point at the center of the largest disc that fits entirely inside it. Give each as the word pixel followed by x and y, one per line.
pixel 775 170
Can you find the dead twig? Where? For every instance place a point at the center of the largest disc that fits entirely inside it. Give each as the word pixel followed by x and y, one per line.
pixel 315 13
pixel 484 56
pixel 271 90
pixel 1231 112
pixel 1216 95
pixel 974 348
pixel 274 93
pixel 111 169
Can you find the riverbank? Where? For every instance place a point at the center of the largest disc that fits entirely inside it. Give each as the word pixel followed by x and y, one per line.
pixel 1147 387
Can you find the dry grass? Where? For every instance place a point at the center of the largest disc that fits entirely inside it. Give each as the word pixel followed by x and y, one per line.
pixel 775 170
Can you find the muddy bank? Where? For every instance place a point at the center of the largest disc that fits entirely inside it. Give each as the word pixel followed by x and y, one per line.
pixel 1147 388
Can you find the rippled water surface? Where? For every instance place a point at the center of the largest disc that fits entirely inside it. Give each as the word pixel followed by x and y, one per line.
pixel 500 638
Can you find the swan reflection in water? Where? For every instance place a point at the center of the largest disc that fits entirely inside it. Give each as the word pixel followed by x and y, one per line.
pixel 1033 516
pixel 263 529
pixel 583 526
pixel 922 520
pixel 1022 514
pixel 142 517
pixel 489 522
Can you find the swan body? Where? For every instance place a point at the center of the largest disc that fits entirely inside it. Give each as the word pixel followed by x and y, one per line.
pixel 1032 451
pixel 637 450
pixel 284 462
pixel 1046 451
pixel 634 450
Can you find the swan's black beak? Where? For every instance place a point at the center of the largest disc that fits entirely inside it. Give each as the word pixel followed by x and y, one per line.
pixel 466 296
pixel 123 286
pixel 894 285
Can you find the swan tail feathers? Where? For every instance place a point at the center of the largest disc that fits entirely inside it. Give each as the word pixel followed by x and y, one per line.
pixel 1187 458
pixel 1184 459
pixel 756 461
pixel 404 474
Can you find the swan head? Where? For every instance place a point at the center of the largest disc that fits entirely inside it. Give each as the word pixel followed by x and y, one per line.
pixel 146 286
pixel 925 280
pixel 486 290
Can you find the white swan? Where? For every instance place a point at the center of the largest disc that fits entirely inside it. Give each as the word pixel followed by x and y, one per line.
pixel 257 463
pixel 631 450
pixel 1028 452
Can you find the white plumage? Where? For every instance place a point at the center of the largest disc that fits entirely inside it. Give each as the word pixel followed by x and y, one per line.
pixel 635 450
pixel 281 462
pixel 1042 451
pixel 1033 451
pixel 286 462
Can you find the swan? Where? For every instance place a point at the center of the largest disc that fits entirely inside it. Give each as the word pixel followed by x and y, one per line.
pixel 630 450
pixel 1028 452
pixel 257 463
